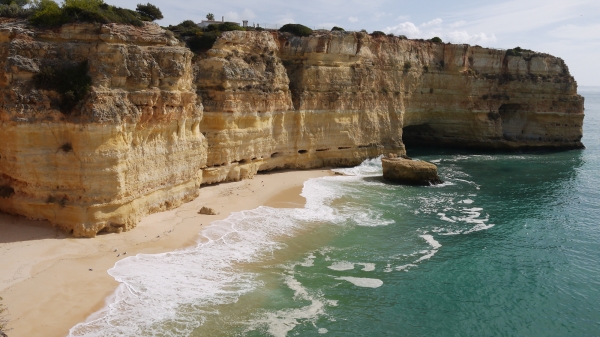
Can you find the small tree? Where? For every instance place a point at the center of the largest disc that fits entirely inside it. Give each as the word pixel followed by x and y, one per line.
pixel 436 40
pixel 337 29
pixel 210 16
pixel 149 11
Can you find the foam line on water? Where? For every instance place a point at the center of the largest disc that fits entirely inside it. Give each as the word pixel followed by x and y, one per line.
pixel 345 265
pixel 431 241
pixel 362 282
pixel 279 323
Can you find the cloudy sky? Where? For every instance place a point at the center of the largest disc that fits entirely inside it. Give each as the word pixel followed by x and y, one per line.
pixel 566 28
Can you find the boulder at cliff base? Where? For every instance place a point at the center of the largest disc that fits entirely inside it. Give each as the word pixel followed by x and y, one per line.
pixel 410 172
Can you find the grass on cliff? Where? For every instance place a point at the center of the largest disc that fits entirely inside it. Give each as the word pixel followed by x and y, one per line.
pixel 71 82
pixel 48 13
pixel 199 39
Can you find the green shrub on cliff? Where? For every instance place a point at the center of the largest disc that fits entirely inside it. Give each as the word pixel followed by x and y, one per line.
pixel 296 29
pixel 377 33
pixel 13 10
pixel 337 29
pixel 198 39
pixel 225 27
pixel 518 51
pixel 436 40
pixel 71 82
pixel 47 13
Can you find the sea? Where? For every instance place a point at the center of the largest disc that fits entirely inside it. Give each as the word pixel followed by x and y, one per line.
pixel 508 245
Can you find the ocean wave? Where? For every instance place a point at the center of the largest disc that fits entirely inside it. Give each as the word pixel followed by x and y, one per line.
pixel 368 168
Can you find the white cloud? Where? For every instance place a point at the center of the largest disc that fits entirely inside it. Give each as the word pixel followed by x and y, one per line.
pixel 403 18
pixel 568 32
pixel 353 19
pixel 432 23
pixel 464 37
pixel 436 28
pixel 245 15
pixel 405 28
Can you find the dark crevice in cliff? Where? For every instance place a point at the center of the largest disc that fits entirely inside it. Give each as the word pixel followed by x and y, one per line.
pixel 295 73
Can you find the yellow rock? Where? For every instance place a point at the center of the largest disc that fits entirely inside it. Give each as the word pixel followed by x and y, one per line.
pixel 158 123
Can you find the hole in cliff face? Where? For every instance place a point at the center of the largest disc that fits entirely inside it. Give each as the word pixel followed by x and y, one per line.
pixel 66 147
pixel 6 191
pixel 302 151
pixel 419 134
pixel 275 154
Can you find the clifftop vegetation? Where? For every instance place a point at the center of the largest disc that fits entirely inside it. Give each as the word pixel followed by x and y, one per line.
pixel 296 29
pixel 48 13
pixel 202 39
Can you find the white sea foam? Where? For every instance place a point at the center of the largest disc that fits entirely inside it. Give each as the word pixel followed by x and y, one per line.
pixel 158 290
pixel 279 323
pixel 309 261
pixel 445 218
pixel 322 331
pixel 431 241
pixel 368 168
pixel 367 266
pixel 362 282
pixel 466 201
pixel 405 267
pixel 341 266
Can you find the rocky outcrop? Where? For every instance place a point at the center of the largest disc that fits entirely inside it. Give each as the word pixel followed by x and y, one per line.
pixel 406 171
pixel 158 121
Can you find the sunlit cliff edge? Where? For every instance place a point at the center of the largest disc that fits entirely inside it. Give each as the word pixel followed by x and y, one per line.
pixel 159 121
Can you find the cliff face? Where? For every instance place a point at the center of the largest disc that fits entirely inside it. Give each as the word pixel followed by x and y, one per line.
pixel 132 147
pixel 158 123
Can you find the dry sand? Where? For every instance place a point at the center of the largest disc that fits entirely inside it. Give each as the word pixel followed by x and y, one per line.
pixel 45 276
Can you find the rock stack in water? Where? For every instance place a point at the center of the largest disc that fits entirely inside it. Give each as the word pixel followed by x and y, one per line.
pixel 406 171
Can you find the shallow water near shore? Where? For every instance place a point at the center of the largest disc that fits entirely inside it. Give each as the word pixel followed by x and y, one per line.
pixel 508 245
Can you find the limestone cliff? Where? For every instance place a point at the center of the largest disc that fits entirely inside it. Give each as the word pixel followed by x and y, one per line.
pixel 132 147
pixel 159 122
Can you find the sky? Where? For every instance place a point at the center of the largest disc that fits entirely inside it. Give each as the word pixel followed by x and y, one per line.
pixel 567 29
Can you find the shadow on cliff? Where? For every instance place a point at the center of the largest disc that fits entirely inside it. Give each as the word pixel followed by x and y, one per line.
pixel 15 228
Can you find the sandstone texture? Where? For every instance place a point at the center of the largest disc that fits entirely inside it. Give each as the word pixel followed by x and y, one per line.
pixel 410 172
pixel 159 121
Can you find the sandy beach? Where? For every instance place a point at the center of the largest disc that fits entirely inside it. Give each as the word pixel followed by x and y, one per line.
pixel 50 281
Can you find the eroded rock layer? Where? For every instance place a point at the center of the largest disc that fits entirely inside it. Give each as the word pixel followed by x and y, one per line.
pixel 159 122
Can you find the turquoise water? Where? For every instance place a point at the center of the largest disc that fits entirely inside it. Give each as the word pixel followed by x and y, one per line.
pixel 508 246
